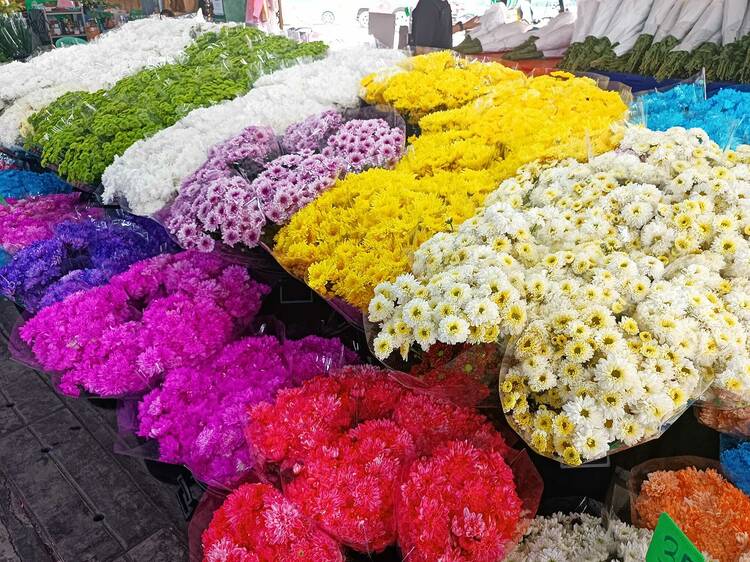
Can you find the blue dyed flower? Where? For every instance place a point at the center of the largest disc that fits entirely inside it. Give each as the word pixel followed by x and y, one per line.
pixel 18 184
pixel 735 461
pixel 724 116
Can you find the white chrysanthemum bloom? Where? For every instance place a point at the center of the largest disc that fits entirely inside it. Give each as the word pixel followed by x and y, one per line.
pixel 647 253
pixel 380 308
pixel 453 329
pixel 416 312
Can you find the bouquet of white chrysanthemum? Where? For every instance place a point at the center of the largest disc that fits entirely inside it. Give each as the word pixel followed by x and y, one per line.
pixel 609 345
pixel 581 537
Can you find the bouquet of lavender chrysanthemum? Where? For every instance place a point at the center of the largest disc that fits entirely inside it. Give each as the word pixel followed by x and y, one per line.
pixel 245 183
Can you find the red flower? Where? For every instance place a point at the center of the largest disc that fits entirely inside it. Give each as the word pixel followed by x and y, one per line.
pixel 257 524
pixel 460 504
pixel 432 422
pixel 350 489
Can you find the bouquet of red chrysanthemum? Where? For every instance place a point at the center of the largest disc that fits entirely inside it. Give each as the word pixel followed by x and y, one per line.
pixel 343 446
pixel 257 523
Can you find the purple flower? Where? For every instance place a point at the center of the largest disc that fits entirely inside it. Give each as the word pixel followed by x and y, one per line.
pixel 108 246
pixel 312 133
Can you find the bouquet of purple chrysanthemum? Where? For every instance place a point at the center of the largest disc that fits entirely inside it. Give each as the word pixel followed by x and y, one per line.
pixel 244 185
pixel 79 255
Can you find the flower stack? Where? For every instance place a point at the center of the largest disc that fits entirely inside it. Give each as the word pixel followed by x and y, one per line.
pixel 620 284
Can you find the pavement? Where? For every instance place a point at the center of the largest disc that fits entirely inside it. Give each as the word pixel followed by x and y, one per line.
pixel 65 495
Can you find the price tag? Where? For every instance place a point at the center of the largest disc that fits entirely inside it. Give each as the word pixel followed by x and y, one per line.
pixel 670 544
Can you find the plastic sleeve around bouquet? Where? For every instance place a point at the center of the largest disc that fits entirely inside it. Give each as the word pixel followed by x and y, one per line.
pixel 561 429
pixel 79 255
pixel 18 184
pixel 256 522
pixel 711 511
pixel 319 442
pixel 732 421
pixel 735 461
pixel 640 473
pixel 681 97
pixel 463 374
pixel 16 41
pixel 441 496
pixel 162 313
pixel 24 221
pixel 82 132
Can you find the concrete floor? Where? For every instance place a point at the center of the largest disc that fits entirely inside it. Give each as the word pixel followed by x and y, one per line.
pixel 64 494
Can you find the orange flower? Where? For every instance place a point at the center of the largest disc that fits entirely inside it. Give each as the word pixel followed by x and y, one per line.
pixel 712 513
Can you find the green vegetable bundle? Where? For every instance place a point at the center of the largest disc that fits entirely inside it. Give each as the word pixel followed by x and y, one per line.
pixel 81 133
pixel 526 50
pixel 581 55
pixel 15 37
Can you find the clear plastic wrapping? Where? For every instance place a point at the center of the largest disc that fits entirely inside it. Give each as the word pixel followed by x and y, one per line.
pixel 81 133
pixel 16 42
pixel 80 254
pixel 465 374
pixel 711 511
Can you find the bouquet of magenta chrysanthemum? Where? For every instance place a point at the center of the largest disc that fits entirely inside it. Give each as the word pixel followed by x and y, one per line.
pixel 197 414
pixel 23 221
pixel 119 339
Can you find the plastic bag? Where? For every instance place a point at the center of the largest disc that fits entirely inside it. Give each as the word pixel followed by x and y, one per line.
pixel 30 86
pixel 678 104
pixel 506 503
pixel 15 37
pixel 18 184
pixel 689 489
pixel 735 461
pixel 641 473
pixel 732 421
pixel 464 374
pixel 580 529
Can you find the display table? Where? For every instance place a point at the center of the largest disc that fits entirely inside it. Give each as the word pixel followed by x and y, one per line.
pixel 527 66
pixel 638 83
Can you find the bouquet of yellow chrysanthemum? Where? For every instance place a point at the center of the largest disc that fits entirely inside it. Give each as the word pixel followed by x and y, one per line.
pixel 365 229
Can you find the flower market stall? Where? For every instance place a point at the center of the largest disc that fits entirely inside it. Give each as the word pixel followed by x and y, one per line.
pixel 522 333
